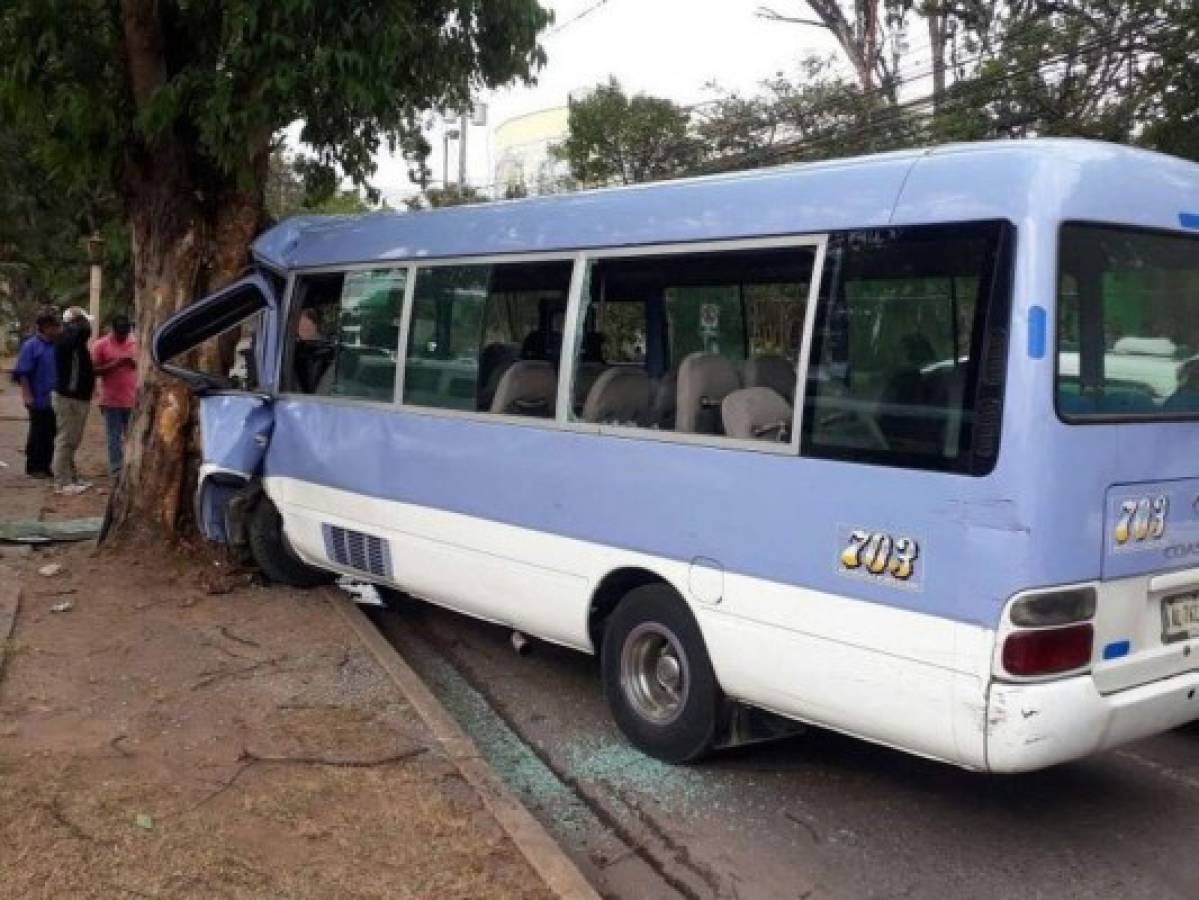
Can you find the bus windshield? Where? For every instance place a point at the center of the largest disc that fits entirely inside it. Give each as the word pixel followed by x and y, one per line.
pixel 1128 324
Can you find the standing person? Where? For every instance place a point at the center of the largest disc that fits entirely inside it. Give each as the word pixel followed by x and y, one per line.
pixel 35 372
pixel 115 359
pixel 72 397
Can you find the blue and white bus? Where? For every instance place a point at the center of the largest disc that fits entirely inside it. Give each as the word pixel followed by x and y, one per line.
pixel 905 446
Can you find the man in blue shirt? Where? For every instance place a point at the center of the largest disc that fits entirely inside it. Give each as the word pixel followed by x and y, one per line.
pixel 37 374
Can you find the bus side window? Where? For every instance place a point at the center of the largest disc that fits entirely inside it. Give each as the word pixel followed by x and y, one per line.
pixel 487 338
pixel 698 343
pixel 895 353
pixel 345 334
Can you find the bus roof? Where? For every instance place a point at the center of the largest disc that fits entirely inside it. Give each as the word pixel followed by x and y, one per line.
pixel 1050 179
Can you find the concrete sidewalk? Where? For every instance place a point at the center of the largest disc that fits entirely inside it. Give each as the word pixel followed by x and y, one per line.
pixel 169 727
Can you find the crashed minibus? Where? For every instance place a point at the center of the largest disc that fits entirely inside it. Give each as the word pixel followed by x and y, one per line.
pixel 904 446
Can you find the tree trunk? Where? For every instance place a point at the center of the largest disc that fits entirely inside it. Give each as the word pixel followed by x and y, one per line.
pixel 180 252
pixel 168 242
pixel 937 35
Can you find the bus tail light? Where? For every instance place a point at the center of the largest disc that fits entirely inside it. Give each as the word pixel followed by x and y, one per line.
pixel 1048 651
pixel 1059 607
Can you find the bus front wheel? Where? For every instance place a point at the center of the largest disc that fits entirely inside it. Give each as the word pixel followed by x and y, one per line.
pixel 657 677
pixel 273 553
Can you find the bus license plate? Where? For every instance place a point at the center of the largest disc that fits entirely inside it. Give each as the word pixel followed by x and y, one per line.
pixel 1181 615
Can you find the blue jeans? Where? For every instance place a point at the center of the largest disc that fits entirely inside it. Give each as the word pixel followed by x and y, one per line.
pixel 116 420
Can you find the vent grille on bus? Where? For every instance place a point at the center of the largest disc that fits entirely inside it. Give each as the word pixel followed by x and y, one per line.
pixel 364 552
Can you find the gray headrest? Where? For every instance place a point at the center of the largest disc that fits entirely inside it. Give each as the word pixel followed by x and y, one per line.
pixel 529 387
pixel 705 379
pixel 772 371
pixel 619 396
pixel 756 413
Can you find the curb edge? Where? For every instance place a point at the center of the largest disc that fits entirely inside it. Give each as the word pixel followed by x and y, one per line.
pixel 543 853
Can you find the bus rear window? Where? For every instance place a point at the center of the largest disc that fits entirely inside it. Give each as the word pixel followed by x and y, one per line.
pixel 1128 324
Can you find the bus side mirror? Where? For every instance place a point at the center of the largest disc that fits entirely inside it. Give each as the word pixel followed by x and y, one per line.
pixel 207 318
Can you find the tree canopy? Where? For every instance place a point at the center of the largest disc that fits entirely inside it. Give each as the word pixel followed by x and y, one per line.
pixel 617 139
pixel 1117 70
pixel 172 107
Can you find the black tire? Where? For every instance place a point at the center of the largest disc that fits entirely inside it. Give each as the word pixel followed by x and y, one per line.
pixel 686 725
pixel 273 554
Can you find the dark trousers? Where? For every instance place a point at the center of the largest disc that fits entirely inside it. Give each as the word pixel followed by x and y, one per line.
pixel 39 447
pixel 116 422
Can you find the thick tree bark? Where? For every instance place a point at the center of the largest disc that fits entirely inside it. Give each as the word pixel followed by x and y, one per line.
pixel 168 241
pixel 179 253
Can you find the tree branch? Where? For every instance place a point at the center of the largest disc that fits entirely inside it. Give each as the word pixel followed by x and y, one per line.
pixel 765 12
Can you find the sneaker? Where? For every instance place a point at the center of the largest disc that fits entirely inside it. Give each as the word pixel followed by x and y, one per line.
pixel 82 485
pixel 69 490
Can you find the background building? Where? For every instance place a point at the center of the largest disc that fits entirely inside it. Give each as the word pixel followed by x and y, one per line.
pixel 523 163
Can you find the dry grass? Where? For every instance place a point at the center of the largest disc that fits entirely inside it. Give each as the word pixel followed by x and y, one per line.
pixel 207 711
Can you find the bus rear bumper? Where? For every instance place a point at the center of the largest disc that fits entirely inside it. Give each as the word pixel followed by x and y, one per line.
pixel 1031 726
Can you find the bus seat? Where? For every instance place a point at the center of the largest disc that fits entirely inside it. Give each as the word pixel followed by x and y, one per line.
pixel 324 386
pixel 756 413
pixel 665 392
pixel 494 360
pixel 528 388
pixel 705 379
pixel 586 376
pixel 619 397
pixel 770 370
pixel 542 344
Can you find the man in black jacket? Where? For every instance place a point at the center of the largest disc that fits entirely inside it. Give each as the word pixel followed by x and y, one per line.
pixel 72 398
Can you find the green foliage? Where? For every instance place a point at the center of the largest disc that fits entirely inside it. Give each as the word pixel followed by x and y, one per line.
pixel 297 185
pixel 230 73
pixel 42 233
pixel 617 139
pixel 452 195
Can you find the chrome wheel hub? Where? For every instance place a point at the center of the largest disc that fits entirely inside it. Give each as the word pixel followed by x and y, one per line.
pixel 654 673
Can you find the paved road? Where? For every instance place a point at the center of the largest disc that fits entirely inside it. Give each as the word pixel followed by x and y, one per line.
pixel 817 815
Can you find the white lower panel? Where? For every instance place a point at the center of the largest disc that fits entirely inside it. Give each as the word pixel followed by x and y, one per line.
pixel 905 679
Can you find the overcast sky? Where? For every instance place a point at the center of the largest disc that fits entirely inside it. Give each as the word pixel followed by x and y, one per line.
pixel 669 48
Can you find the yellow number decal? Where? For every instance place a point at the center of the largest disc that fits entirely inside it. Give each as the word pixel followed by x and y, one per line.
pixel 1142 519
pixel 851 556
pixel 904 562
pixel 1157 521
pixel 879 553
pixel 1124 525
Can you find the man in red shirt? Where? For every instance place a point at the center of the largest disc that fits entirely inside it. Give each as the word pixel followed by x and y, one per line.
pixel 115 359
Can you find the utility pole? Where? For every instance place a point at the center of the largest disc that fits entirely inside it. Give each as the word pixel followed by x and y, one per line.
pixel 464 127
pixel 95 257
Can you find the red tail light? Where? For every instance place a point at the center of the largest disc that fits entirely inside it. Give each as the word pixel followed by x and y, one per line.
pixel 1048 651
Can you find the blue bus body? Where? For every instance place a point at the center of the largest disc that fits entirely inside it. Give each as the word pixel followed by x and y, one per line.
pixel 537 523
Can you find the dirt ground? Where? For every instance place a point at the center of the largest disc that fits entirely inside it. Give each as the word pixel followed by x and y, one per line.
pixel 183 731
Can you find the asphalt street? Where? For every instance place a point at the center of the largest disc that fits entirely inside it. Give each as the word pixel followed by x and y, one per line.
pixel 812 816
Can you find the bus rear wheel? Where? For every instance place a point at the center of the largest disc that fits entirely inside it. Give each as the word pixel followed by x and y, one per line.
pixel 658 679
pixel 272 551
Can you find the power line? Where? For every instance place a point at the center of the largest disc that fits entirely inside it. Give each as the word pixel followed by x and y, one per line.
pixel 1013 34
pixel 922 107
pixel 582 15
